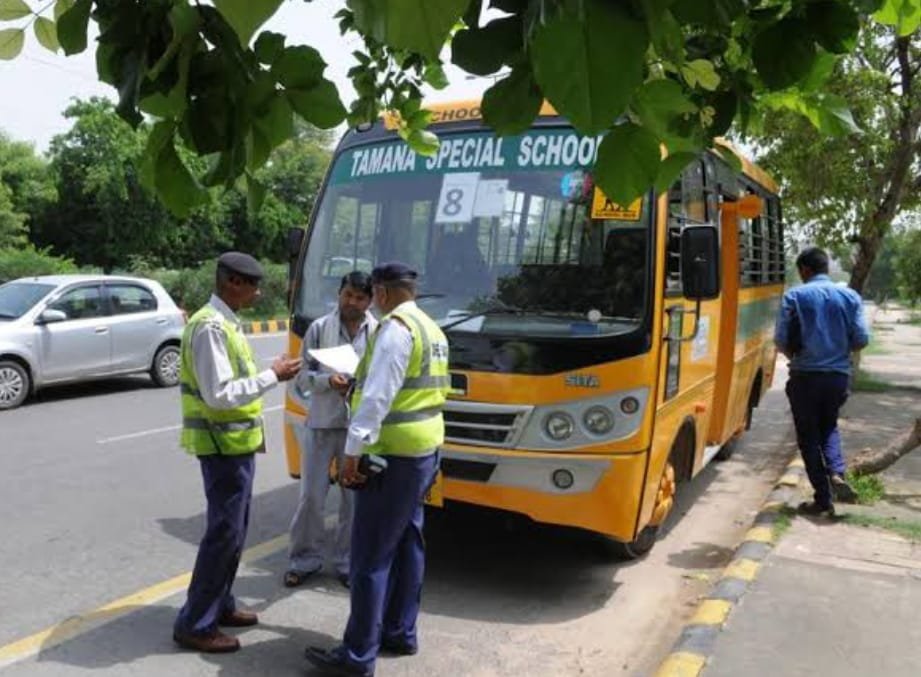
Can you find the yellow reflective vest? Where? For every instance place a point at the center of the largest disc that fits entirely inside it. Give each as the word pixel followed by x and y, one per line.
pixel 414 425
pixel 207 431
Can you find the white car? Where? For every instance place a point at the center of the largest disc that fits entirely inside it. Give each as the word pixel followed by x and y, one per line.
pixel 65 328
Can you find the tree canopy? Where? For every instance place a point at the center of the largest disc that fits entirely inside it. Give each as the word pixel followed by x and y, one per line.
pixel 848 190
pixel 648 73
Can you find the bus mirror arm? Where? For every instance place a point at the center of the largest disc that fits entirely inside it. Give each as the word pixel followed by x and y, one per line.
pixel 684 311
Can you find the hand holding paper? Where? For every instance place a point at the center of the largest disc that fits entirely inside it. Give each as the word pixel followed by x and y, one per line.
pixel 341 359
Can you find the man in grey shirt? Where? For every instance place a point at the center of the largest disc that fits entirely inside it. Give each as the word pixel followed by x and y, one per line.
pixel 324 436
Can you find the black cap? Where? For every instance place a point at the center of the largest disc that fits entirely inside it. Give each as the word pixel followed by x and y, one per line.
pixel 392 272
pixel 241 264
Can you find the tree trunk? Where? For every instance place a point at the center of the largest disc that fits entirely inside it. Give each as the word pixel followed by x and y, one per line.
pixel 869 461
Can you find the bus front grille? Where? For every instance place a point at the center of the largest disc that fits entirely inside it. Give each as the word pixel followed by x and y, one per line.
pixel 491 425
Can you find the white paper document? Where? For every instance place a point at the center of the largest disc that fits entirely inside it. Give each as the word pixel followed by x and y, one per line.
pixel 341 359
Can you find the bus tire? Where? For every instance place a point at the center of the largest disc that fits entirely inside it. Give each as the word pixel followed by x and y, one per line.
pixel 637 548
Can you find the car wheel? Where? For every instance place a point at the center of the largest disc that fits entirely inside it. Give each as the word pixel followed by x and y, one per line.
pixel 15 384
pixel 165 370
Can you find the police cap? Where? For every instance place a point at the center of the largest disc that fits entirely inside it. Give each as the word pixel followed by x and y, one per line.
pixel 392 272
pixel 241 264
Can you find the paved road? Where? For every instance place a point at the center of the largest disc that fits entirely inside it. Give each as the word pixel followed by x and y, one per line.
pixel 99 505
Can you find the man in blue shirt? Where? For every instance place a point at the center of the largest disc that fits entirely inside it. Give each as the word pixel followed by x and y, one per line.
pixel 819 324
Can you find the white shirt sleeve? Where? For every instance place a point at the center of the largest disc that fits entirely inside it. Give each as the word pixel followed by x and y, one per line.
pixel 219 389
pixel 312 378
pixel 392 350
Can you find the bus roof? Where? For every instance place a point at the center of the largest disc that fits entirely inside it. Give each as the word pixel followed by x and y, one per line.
pixel 469 110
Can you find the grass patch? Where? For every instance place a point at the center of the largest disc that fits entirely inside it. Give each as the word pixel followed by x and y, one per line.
pixel 869 488
pixel 783 521
pixel 874 348
pixel 915 320
pixel 909 529
pixel 863 383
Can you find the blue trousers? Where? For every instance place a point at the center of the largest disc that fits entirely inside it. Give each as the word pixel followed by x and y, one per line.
pixel 815 399
pixel 228 484
pixel 388 559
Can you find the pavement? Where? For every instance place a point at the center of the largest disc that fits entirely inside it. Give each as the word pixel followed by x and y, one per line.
pixel 832 597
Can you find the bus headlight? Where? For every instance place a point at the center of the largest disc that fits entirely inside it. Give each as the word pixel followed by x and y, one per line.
pixel 598 420
pixel 559 425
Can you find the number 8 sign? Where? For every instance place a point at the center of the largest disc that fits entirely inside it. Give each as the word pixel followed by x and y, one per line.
pixel 458 195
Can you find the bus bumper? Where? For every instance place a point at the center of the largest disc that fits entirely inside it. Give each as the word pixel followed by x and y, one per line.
pixel 600 493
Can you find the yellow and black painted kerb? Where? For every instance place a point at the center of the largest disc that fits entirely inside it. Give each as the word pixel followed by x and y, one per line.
pixel 694 647
pixel 265 326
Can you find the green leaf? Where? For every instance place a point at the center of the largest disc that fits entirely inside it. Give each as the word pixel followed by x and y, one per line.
pixel 62 6
pixel 420 26
pixel 834 24
pixel 255 195
pixel 246 16
pixel 299 67
pixel 670 169
pixel 905 15
pixel 822 68
pixel 784 53
pixel 574 59
pixel 46 33
pixel 435 76
pixel 209 123
pixel 72 26
pixel 269 46
pixel 10 10
pixel 701 72
pixel 511 105
pixel 666 34
pixel 276 121
pixel 174 102
pixel 712 13
pixel 628 162
pixel 423 142
pixel 177 188
pixel 11 42
pixel 483 51
pixel 658 102
pixel 160 134
pixel 320 105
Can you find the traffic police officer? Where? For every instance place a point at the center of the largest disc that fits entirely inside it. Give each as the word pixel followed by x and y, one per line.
pixel 221 389
pixel 401 385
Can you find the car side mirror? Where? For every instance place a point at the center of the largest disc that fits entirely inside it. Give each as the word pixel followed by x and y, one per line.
pixel 700 262
pixel 50 316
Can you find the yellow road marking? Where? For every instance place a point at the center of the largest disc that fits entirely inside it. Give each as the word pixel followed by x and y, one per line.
pixel 79 625
pixel 790 480
pixel 773 506
pixel 760 534
pixel 711 612
pixel 742 568
pixel 797 463
pixel 681 664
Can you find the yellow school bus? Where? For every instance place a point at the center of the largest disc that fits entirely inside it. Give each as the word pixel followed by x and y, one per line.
pixel 601 354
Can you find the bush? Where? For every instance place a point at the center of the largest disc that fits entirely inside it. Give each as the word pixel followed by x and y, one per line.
pixel 192 287
pixel 29 261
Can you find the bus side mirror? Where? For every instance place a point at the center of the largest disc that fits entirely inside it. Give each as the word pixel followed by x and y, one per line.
pixel 700 262
pixel 295 242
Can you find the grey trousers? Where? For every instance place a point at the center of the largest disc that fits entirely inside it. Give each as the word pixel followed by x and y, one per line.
pixel 307 527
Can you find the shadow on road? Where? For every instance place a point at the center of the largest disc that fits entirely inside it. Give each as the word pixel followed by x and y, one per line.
pixel 87 389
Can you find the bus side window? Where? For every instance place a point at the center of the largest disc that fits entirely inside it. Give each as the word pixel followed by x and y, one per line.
pixel 687 203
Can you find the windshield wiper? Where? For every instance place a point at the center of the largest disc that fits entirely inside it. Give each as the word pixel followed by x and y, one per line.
pixel 497 310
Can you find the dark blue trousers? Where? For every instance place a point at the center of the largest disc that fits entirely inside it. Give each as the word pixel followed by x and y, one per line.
pixel 228 488
pixel 815 399
pixel 388 558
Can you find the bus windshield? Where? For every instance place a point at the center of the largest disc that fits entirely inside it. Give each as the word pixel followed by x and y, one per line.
pixel 500 231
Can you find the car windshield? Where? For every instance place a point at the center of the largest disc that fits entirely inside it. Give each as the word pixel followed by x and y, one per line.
pixel 16 298
pixel 501 231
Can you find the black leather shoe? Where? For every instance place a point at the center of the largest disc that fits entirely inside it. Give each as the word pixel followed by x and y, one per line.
pixel 330 662
pixel 395 648
pixel 813 508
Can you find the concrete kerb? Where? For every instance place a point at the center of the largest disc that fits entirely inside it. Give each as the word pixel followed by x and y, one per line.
pixel 265 326
pixel 695 645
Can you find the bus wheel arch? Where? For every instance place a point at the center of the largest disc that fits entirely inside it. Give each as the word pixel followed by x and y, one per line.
pixel 678 468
